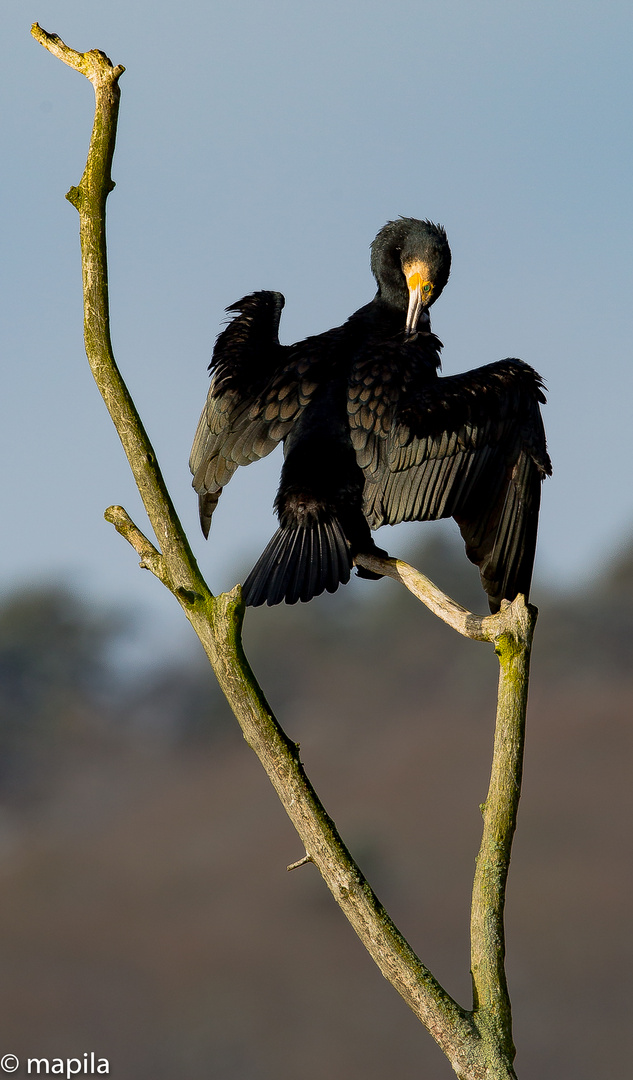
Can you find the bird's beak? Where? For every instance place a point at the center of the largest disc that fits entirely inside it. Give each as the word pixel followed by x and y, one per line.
pixel 420 293
pixel 415 307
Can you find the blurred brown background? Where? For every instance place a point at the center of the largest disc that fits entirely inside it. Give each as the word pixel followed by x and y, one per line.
pixel 145 910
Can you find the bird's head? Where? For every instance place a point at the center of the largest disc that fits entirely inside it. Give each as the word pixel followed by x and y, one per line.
pixel 411 261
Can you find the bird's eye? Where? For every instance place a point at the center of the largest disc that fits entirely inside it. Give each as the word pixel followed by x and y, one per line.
pixel 427 288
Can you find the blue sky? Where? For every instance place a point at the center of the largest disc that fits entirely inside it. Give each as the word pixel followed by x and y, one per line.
pixel 262 145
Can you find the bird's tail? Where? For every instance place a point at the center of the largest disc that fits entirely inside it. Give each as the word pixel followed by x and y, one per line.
pixel 301 561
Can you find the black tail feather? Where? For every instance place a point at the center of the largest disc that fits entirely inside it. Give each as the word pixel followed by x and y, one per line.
pixel 299 563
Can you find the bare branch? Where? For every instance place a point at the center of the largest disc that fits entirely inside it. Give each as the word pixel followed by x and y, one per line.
pixel 511 630
pixel 89 198
pixel 492 1009
pixel 477 627
pixel 89 64
pixel 449 1024
pixel 151 559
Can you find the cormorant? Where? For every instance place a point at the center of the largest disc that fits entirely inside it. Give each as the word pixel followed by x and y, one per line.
pixel 372 435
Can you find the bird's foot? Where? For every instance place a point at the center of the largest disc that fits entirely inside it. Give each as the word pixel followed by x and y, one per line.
pixel 369 574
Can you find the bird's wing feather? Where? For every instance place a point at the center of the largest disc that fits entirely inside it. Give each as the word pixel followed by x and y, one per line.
pixel 258 390
pixel 469 446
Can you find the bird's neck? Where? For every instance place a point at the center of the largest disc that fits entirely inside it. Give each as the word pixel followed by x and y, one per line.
pixel 392 289
pixel 381 324
pixel 391 316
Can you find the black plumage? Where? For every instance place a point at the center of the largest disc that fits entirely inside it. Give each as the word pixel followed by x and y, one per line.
pixel 371 434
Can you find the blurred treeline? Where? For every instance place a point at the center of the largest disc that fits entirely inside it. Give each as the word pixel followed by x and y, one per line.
pixel 145 910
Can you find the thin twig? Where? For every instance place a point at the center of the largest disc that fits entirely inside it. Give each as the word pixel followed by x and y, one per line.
pixel 300 862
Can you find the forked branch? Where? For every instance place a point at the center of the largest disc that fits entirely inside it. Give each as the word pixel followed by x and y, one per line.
pixel 478 1042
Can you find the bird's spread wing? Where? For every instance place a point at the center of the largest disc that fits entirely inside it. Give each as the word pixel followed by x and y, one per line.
pixel 258 389
pixel 469 446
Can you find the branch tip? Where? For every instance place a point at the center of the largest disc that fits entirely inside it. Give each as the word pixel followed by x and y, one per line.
pixel 300 862
pixel 95 65
pixel 231 604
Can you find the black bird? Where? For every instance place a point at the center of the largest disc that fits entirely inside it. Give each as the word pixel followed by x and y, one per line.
pixel 371 434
